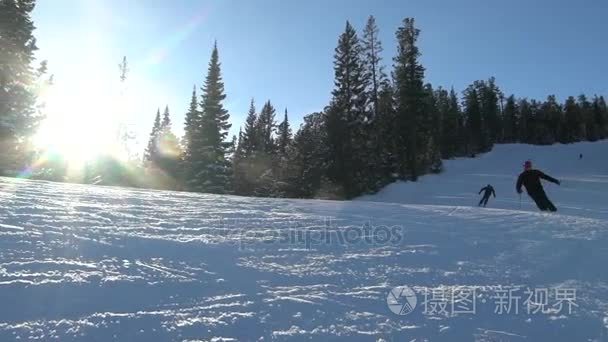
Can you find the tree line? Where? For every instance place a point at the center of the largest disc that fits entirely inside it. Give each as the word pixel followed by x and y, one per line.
pixel 380 126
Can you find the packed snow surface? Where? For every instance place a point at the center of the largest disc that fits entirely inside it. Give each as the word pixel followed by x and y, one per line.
pixel 88 263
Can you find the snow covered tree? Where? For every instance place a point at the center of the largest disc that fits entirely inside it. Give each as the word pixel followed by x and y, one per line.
pixel 209 166
pixel 18 115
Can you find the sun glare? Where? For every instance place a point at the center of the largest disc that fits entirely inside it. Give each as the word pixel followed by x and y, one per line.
pixel 80 126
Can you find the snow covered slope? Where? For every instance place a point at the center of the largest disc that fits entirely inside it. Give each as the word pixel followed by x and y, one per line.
pixel 584 189
pixel 85 263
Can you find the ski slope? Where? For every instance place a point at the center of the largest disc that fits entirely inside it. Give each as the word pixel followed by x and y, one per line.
pixel 583 192
pixel 88 263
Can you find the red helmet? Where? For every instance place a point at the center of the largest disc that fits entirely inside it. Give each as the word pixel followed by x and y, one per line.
pixel 528 165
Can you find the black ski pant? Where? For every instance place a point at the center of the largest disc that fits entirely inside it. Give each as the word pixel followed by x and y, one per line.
pixel 542 201
pixel 484 200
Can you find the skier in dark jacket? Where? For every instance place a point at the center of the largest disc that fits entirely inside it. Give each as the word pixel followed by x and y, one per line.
pixel 489 190
pixel 530 178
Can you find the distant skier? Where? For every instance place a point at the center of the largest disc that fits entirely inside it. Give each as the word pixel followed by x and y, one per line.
pixel 530 178
pixel 487 191
pixel 580 156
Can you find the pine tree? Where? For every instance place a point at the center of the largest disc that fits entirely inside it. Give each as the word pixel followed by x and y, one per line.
pixel 347 116
pixel 191 139
pixel 589 130
pixel 264 164
pixel 449 128
pixel 151 152
pixel 265 127
pixel 478 140
pixel 489 95
pixel 374 72
pixel 510 120
pixel 18 116
pixel 551 117
pixel 600 116
pixel 308 157
pixel 385 136
pixel 249 140
pixel 163 155
pixel 431 126
pixel 524 121
pixel 573 121
pixel 461 132
pixel 411 101
pixel 210 167
pixel 169 148
pixel 284 137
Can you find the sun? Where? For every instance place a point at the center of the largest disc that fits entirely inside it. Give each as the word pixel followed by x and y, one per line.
pixel 80 122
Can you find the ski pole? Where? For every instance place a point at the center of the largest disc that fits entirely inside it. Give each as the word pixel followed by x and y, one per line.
pixel 519 201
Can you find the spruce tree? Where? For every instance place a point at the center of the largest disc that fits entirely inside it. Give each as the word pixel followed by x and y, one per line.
pixel 589 130
pixel 18 116
pixel 489 95
pixel 169 149
pixel 477 135
pixel 308 157
pixel 284 137
pixel 460 142
pixel 211 168
pixel 510 120
pixel 191 139
pixel 411 101
pixel 450 120
pixel 524 121
pixel 573 121
pixel 249 139
pixel 551 119
pixel 385 136
pixel 599 116
pixel 151 152
pixel 265 127
pixel 347 116
pixel 374 72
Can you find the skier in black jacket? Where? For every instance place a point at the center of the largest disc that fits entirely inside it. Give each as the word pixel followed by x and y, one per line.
pixel 489 190
pixel 530 178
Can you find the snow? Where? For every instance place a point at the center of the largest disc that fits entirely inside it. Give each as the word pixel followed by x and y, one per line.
pixel 89 263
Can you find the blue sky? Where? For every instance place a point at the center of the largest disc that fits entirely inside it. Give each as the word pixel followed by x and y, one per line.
pixel 283 50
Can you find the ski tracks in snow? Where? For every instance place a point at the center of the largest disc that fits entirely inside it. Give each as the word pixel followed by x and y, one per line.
pixel 81 263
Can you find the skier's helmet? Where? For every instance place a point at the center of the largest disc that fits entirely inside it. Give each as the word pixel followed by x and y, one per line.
pixel 528 165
